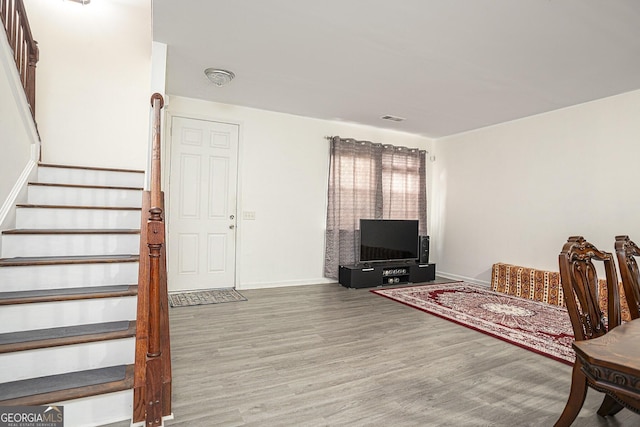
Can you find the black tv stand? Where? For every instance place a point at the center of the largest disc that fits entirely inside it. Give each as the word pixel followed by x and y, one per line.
pixel 379 274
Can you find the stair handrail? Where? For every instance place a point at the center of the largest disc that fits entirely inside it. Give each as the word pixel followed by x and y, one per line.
pixel 152 381
pixel 25 49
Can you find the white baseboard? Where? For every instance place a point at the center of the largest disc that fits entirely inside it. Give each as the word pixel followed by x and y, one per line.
pixel 281 284
pixel 463 278
pixel 9 204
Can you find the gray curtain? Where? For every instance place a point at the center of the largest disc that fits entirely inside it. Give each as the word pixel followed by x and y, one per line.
pixel 370 181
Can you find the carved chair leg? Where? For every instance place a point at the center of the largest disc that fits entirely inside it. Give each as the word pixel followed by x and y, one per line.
pixel 609 406
pixel 576 397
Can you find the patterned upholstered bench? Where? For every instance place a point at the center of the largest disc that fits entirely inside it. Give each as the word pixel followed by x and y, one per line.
pixel 541 285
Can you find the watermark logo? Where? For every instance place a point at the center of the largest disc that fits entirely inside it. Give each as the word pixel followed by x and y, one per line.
pixel 31 416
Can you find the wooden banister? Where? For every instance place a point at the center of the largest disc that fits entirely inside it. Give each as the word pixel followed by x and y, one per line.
pixel 25 48
pixel 152 381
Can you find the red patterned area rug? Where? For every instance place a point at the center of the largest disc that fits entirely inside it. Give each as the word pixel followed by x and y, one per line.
pixel 535 326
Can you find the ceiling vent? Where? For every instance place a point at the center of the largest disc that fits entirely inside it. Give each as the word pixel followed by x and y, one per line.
pixel 393 118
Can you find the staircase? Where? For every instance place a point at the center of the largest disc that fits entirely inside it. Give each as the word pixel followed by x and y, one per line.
pixel 68 291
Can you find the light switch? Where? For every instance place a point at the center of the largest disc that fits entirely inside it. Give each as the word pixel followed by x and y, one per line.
pixel 249 215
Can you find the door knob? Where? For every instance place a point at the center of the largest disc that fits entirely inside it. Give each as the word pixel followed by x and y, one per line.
pixel 232 226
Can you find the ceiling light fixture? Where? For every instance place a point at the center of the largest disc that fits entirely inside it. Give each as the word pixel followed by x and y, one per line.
pixel 219 77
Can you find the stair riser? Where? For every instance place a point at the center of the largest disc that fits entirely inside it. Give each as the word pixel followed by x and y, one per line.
pixel 89 177
pixel 71 196
pixel 19 245
pixel 101 409
pixel 24 278
pixel 98 410
pixel 59 360
pixel 20 317
pixel 42 218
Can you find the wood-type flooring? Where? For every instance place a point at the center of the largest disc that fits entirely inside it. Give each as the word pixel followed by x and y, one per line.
pixel 324 355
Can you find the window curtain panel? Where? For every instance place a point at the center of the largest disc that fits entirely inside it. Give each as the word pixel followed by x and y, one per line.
pixel 370 181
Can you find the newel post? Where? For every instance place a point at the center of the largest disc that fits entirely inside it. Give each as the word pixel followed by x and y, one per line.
pixel 155 242
pixel 152 383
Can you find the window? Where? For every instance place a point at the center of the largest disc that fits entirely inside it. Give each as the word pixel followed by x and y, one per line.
pixel 372 181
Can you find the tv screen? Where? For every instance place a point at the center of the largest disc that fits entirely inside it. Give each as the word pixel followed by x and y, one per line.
pixel 388 240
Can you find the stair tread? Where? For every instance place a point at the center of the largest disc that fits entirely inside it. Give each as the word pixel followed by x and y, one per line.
pixel 73 385
pixel 72 231
pixel 76 334
pixel 90 382
pixel 90 168
pixel 74 259
pixel 66 294
pixel 88 186
pixel 30 205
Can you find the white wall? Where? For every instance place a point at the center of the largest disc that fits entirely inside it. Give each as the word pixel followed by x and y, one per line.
pixel 514 192
pixel 18 138
pixel 93 81
pixel 283 177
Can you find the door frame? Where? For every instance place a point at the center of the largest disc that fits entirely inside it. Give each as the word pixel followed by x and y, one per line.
pixel 166 178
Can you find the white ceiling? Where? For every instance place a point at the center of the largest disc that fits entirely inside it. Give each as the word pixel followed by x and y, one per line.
pixel 447 66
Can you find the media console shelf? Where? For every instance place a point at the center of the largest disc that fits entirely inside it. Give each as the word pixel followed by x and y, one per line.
pixel 379 274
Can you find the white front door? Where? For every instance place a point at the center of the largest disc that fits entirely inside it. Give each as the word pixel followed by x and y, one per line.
pixel 202 204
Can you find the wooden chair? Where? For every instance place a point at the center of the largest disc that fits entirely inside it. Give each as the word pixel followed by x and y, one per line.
pixel 579 284
pixel 626 251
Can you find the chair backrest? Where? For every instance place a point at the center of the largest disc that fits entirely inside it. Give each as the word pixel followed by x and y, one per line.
pixel 580 286
pixel 626 251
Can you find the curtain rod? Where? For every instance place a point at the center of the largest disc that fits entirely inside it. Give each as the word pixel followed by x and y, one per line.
pixel 329 138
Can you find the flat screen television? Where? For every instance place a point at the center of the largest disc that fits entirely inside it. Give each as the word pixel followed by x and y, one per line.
pixel 388 240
